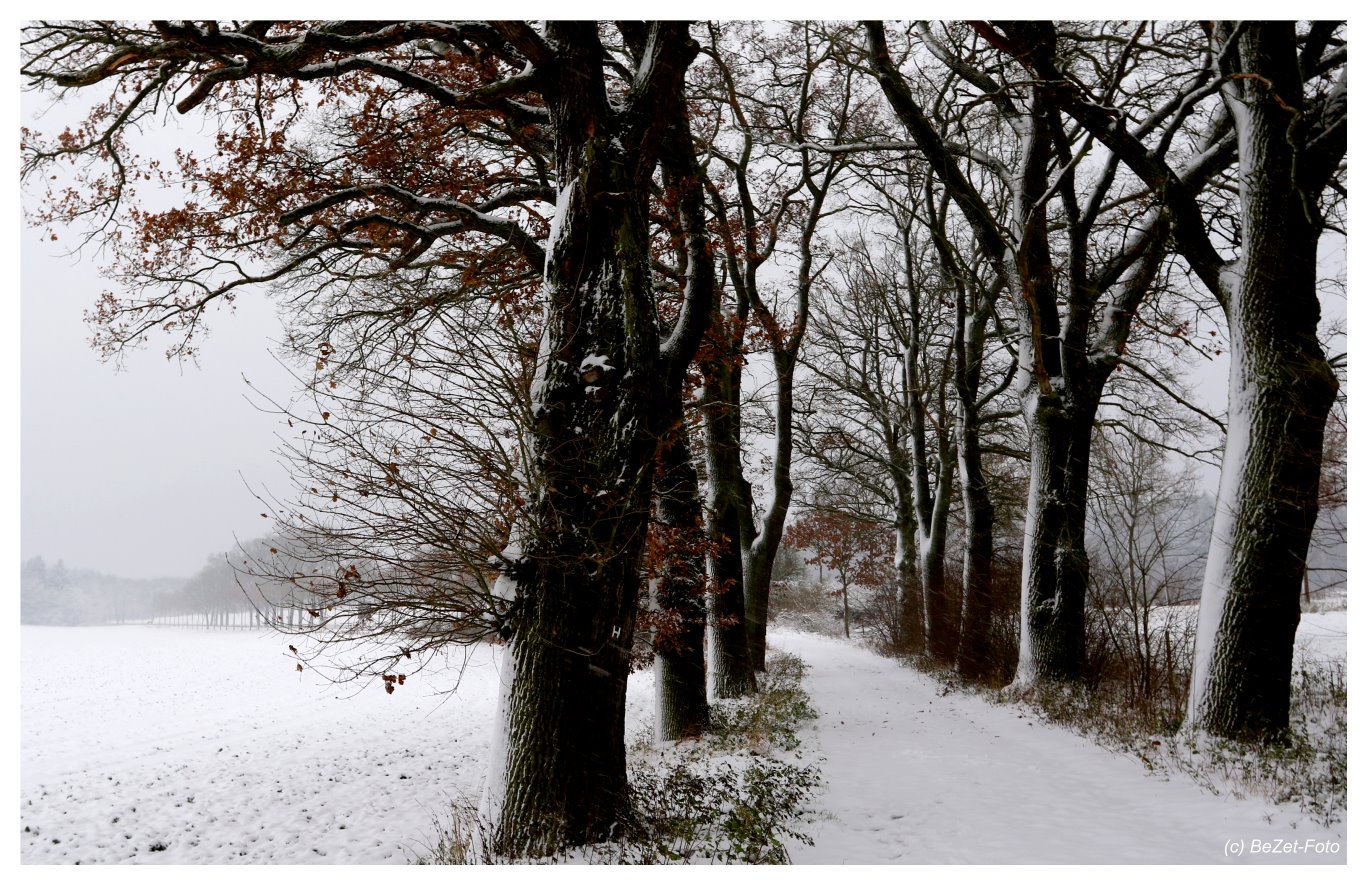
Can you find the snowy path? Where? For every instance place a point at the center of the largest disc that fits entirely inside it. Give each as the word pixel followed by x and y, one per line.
pixel 914 777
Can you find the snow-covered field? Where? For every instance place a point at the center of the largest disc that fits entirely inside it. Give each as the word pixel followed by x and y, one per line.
pixel 1324 635
pixel 170 745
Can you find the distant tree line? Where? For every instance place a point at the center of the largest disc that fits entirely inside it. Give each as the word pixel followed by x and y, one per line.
pixel 54 595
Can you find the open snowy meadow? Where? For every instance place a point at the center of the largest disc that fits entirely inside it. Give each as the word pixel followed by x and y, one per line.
pixel 179 745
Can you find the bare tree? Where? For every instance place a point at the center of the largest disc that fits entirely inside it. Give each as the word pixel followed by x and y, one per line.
pixel 465 133
pixel 1073 316
pixel 1284 90
pixel 774 197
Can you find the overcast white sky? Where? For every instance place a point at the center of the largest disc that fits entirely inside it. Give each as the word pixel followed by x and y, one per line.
pixel 145 472
pixel 142 472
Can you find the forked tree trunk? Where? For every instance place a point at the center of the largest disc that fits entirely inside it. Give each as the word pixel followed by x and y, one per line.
pixel 1059 370
pixel 929 505
pixel 1058 416
pixel 1281 385
pixel 942 616
pixel 1281 389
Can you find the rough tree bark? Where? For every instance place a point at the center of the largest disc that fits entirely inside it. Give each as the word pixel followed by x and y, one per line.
pixel 910 635
pixel 680 667
pixel 761 551
pixel 680 647
pixel 558 775
pixel 1281 387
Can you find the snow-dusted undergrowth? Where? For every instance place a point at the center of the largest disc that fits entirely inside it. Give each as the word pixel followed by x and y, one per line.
pixel 741 794
pixel 1307 768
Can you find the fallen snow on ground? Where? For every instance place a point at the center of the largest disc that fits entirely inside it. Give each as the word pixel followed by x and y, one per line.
pixel 171 745
pixel 180 745
pixel 1323 635
pixel 914 776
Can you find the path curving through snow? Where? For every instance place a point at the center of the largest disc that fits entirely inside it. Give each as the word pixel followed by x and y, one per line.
pixel 916 777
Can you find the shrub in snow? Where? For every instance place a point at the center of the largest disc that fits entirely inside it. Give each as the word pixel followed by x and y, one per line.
pixel 740 795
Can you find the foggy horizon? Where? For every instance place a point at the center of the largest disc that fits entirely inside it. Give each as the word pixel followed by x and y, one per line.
pixel 140 472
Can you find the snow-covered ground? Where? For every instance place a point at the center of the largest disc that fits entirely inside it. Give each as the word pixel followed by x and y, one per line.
pixel 169 745
pixel 1324 635
pixel 914 776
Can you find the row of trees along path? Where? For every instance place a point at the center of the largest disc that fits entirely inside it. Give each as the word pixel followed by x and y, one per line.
pixel 522 267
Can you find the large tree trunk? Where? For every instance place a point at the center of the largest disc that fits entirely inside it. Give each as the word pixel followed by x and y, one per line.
pixel 909 629
pixel 572 571
pixel 733 672
pixel 975 635
pixel 1054 567
pixel 680 594
pixel 1280 391
pixel 1059 404
pixel 942 617
pixel 762 550
pixel 759 572
pixel 563 775
pixel 563 766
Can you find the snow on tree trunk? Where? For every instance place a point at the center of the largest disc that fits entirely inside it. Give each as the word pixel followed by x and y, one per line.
pixel 759 573
pixel 910 629
pixel 974 659
pixel 1281 389
pixel 577 580
pixel 761 552
pixel 942 617
pixel 573 569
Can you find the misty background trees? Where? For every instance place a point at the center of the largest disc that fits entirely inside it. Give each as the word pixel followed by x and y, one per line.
pixel 586 319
